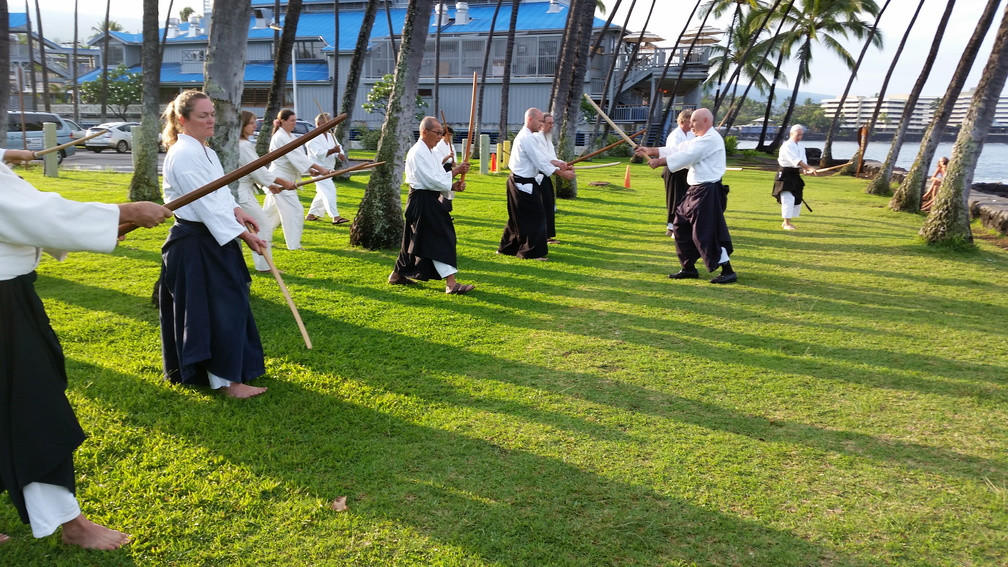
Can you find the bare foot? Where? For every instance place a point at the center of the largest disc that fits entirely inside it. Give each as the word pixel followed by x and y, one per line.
pixel 4 538
pixel 242 391
pixel 83 532
pixel 788 226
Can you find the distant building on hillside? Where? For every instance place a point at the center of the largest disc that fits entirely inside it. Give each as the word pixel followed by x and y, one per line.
pixel 858 109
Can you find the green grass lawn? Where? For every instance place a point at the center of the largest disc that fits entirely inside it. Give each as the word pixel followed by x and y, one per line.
pixel 846 403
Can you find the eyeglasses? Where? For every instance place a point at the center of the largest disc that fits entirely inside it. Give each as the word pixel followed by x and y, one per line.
pixel 436 132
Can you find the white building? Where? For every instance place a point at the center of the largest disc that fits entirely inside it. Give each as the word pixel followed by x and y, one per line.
pixel 858 109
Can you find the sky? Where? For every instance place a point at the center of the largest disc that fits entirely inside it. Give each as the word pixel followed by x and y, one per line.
pixel 829 76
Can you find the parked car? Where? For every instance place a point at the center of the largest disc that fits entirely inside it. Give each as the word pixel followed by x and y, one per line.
pixel 32 133
pixel 118 137
pixel 300 127
pixel 76 132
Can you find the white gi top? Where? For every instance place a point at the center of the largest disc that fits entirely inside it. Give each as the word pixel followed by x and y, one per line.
pixel 291 165
pixel 32 220
pixel 319 146
pixel 424 170
pixel 791 153
pixel 443 150
pixel 189 165
pixel 675 137
pixel 528 158
pixel 549 148
pixel 261 176
pixel 704 155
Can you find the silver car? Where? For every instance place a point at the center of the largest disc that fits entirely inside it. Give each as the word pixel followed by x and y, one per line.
pixel 119 137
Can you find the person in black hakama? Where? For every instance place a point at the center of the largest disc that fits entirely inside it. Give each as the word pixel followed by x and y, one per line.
pixel 428 243
pixel 788 185
pixel 525 234
pixel 676 184
pixel 38 429
pixel 208 335
pixel 699 224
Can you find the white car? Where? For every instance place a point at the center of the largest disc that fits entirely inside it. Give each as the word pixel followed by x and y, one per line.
pixel 118 137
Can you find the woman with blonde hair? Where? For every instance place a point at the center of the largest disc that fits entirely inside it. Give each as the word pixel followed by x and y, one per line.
pixel 936 180
pixel 283 207
pixel 262 177
pixel 325 150
pixel 208 335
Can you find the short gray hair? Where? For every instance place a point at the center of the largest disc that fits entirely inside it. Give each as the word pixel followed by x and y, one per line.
pixel 797 127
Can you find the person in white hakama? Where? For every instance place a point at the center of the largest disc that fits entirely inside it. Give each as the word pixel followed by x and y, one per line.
pixel 262 177
pixel 788 185
pixel 325 149
pixel 284 208
pixel 38 429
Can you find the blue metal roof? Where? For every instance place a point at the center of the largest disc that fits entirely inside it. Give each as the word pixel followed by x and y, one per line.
pixel 17 20
pixel 254 73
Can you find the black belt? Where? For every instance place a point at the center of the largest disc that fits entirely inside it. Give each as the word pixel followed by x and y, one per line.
pixel 519 179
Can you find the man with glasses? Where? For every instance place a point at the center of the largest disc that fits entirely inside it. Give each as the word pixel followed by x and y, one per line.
pixel 428 244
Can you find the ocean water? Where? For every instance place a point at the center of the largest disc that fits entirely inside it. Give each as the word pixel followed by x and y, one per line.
pixel 992 167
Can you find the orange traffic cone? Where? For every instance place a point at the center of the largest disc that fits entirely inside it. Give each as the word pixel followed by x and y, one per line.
pixel 626 178
pixel 493 163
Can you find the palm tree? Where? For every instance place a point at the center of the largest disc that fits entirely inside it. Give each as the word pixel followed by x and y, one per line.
pixel 949 219
pixel 907 196
pixel 574 67
pixel 106 24
pixel 723 58
pixel 736 17
pixel 144 183
pixel 42 58
pixel 437 57
pixel 486 63
pixel 823 23
pixel 874 38
pixel 5 86
pixel 356 65
pixel 506 81
pixel 609 73
pixel 768 13
pixel 31 58
pixel 379 220
pixel 76 87
pixel 281 61
pixel 880 184
pixel 184 13
pixel 105 55
pixel 336 73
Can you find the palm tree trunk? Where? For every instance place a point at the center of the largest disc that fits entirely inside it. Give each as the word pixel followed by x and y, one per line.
pixel 880 184
pixel 502 131
pixel 356 67
pixel 379 220
pixel 786 121
pixel 281 61
pixel 31 59
pixel 105 53
pixel 907 197
pixel 336 73
pixel 486 63
pixel 827 152
pixel 42 58
pixel 388 16
pixel 750 47
pixel 655 140
pixel 5 86
pixel 144 183
pixel 608 79
pixel 949 218
pixel 76 87
pixel 437 58
pixel 570 87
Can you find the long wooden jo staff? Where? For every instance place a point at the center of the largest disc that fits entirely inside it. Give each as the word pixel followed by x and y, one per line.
pixel 243 170
pixel 835 167
pixel 607 119
pixel 41 153
pixel 283 288
pixel 472 124
pixel 357 167
pixel 605 149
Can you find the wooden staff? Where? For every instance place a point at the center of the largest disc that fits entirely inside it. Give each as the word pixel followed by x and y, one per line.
pixel 835 167
pixel 41 153
pixel 605 149
pixel 607 119
pixel 472 124
pixel 286 294
pixel 357 167
pixel 242 171
pixel 596 166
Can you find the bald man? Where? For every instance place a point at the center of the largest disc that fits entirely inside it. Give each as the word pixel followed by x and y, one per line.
pixel 525 233
pixel 699 226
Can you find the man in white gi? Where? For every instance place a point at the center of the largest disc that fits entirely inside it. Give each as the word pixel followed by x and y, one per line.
pixel 325 149
pixel 699 224
pixel 38 429
pixel 788 185
pixel 525 233
pixel 428 244
pixel 445 149
pixel 675 181
pixel 545 136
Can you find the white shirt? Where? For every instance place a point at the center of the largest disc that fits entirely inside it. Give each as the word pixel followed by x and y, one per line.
pixel 791 153
pixel 32 220
pixel 675 137
pixel 318 148
pixel 262 176
pixel 443 150
pixel 548 147
pixel 527 156
pixel 704 155
pixel 424 170
pixel 189 165
pixel 291 165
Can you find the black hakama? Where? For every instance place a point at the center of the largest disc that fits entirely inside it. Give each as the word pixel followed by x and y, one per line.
pixel 206 319
pixel 38 429
pixel 675 189
pixel 699 227
pixel 549 206
pixel 428 235
pixel 789 179
pixel 525 233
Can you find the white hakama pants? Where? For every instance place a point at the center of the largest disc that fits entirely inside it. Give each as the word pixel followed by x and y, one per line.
pixel 285 209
